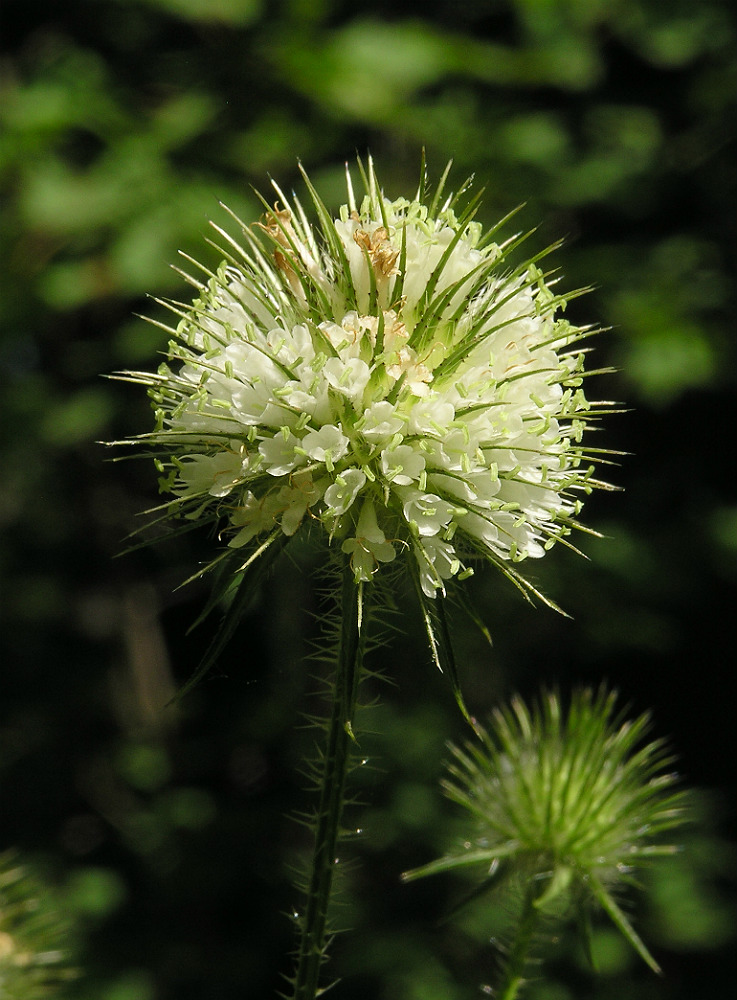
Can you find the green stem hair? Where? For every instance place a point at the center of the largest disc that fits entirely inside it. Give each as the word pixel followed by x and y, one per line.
pixel 513 975
pixel 314 936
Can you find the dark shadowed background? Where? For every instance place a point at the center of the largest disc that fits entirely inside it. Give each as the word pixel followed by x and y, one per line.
pixel 164 833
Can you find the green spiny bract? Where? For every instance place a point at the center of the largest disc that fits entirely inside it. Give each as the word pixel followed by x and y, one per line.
pixel 570 803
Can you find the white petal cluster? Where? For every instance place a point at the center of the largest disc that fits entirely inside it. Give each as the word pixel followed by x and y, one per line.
pixel 386 375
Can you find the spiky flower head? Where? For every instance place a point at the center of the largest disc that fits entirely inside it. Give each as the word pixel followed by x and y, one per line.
pixel 388 375
pixel 570 803
pixel 35 938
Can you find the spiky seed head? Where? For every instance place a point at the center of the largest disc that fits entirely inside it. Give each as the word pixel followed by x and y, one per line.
pixel 35 937
pixel 574 800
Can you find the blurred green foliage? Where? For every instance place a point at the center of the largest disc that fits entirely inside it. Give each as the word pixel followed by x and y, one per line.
pixel 123 123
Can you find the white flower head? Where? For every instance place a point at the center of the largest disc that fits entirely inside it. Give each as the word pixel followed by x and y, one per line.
pixel 387 374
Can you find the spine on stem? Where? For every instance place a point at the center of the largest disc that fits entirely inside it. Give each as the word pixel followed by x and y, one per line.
pixel 518 957
pixel 314 931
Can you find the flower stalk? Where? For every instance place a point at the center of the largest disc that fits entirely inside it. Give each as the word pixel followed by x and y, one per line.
pixel 340 737
pixel 517 959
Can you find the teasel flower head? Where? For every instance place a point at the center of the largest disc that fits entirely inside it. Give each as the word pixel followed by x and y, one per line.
pixel 565 805
pixel 389 376
pixel 36 939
